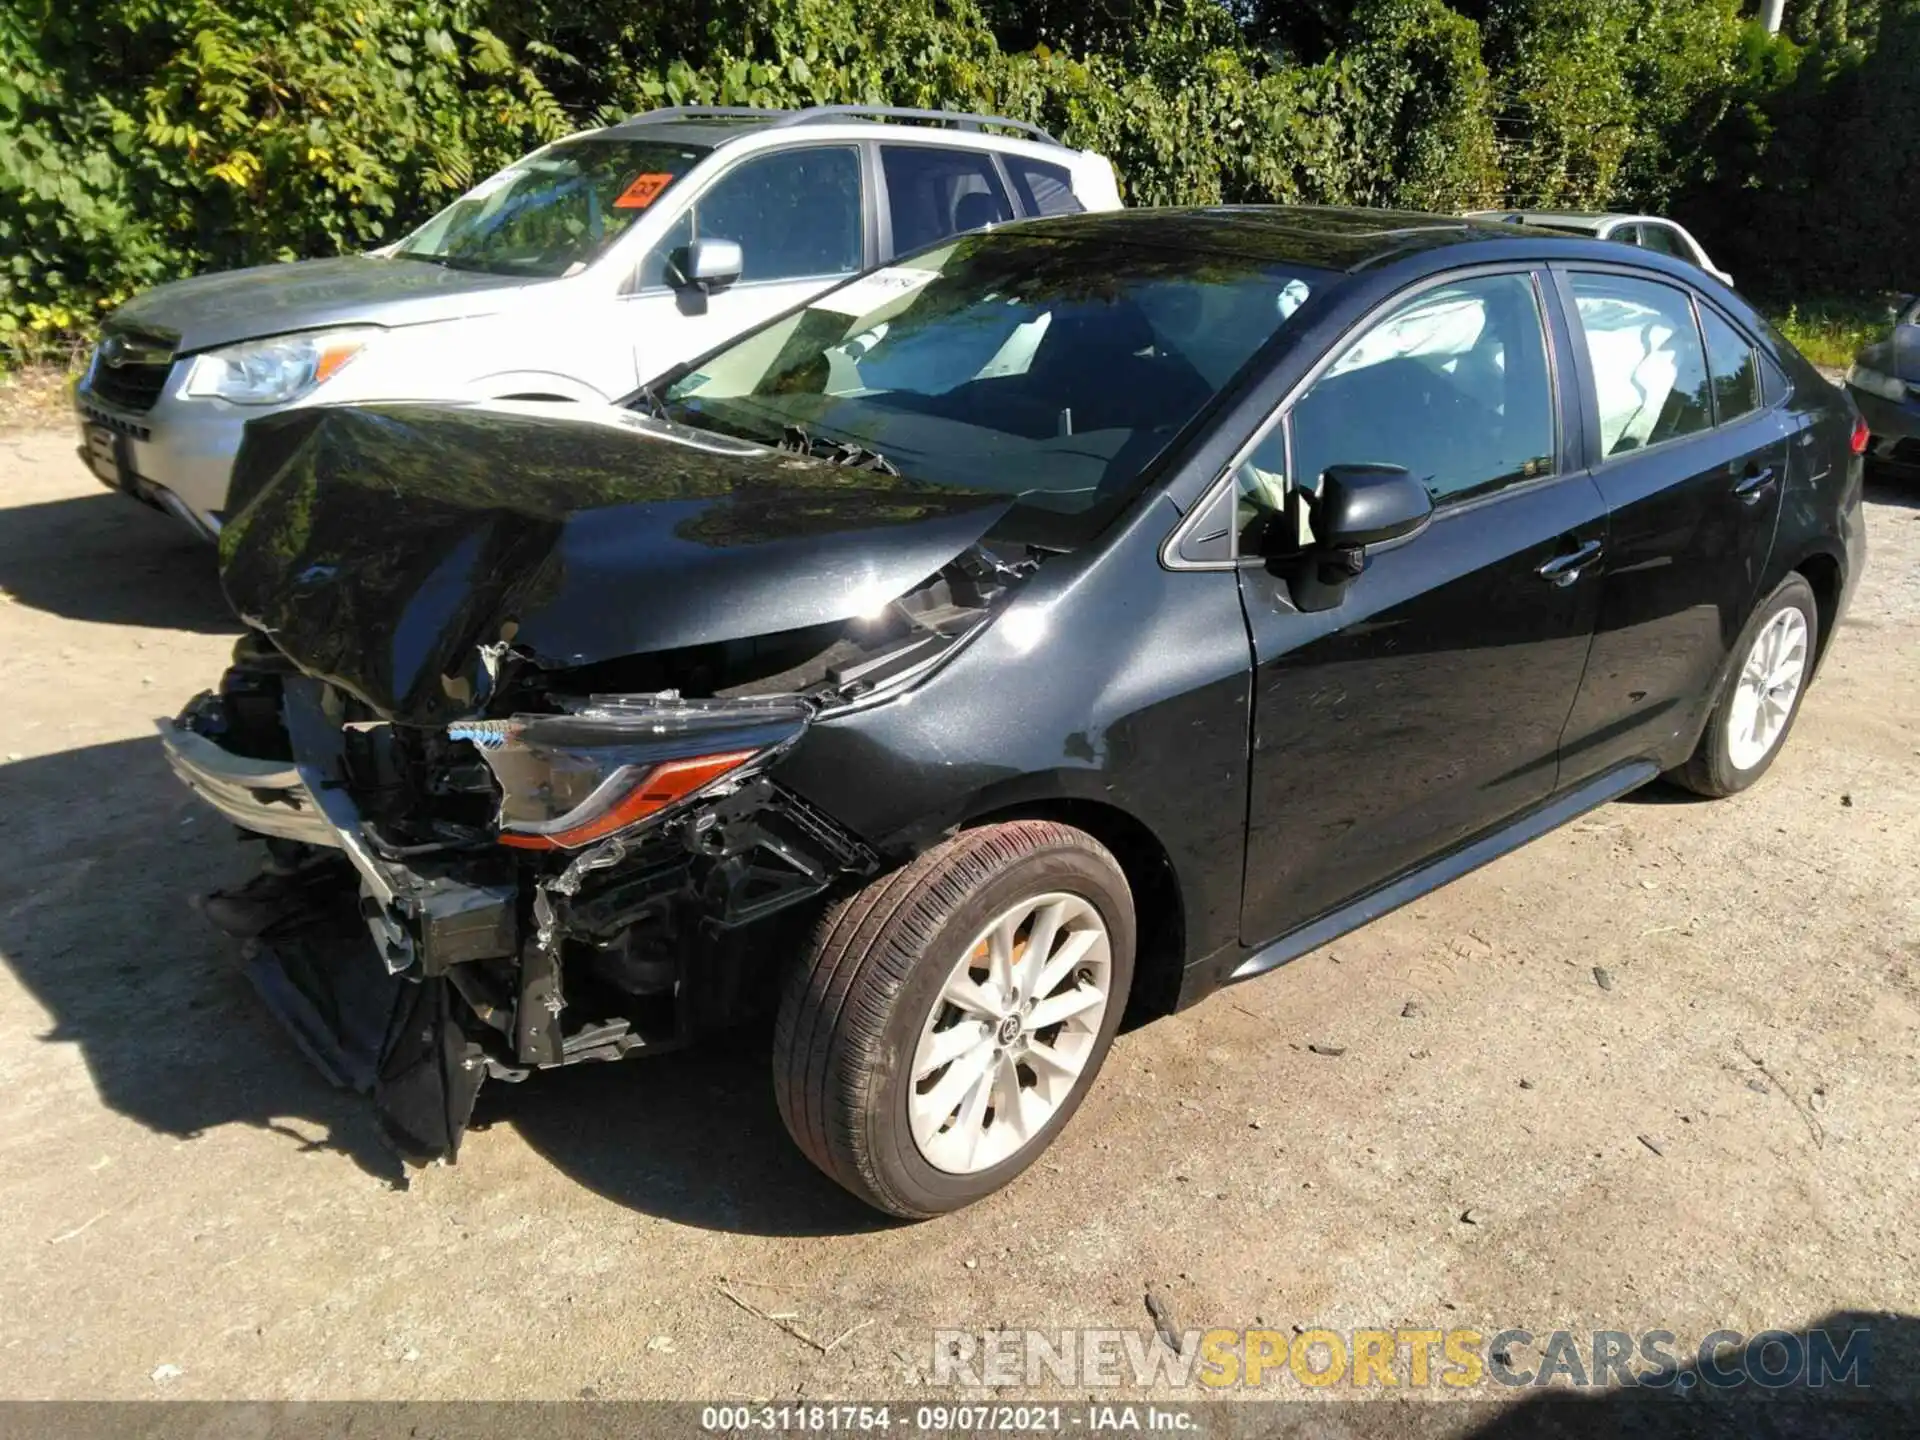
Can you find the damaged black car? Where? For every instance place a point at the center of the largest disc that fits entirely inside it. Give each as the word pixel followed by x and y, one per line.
pixel 1050 627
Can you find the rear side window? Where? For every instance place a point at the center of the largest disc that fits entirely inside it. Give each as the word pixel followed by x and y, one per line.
pixel 1662 241
pixel 933 193
pixel 1044 189
pixel 1649 371
pixel 1453 385
pixel 1731 361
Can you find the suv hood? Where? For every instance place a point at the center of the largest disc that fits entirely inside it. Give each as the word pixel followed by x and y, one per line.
pixel 233 305
pixel 398 550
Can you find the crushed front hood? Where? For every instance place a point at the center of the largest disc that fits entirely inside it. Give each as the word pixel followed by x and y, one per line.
pixel 388 548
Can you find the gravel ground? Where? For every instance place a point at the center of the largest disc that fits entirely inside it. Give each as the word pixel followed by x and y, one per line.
pixel 1722 1137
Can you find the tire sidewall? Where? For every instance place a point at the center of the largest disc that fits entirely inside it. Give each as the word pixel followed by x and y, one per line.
pixel 1083 872
pixel 1792 593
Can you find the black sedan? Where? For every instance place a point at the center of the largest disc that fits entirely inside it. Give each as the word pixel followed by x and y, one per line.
pixel 1884 382
pixel 1056 625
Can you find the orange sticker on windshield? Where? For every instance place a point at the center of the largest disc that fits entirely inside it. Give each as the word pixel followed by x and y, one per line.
pixel 644 190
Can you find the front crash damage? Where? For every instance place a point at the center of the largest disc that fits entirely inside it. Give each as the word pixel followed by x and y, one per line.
pixel 581 874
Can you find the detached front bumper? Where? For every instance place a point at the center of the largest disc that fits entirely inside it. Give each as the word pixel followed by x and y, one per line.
pixel 267 797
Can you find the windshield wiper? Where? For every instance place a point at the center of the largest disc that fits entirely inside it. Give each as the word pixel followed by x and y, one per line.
pixel 651 405
pixel 795 440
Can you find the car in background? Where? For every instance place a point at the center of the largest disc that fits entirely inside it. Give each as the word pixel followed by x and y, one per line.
pixel 573 274
pixel 1884 381
pixel 1649 232
pixel 1064 621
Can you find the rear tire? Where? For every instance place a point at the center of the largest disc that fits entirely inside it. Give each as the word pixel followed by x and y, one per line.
pixel 873 1002
pixel 1760 696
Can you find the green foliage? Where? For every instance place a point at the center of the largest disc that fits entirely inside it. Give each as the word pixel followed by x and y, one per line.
pixel 1830 331
pixel 143 140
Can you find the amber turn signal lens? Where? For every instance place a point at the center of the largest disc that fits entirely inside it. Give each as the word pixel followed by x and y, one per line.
pixel 660 787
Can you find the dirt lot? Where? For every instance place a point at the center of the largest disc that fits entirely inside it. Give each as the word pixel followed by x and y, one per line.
pixel 190 1212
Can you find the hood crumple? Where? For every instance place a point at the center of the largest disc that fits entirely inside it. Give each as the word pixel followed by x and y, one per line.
pixel 393 549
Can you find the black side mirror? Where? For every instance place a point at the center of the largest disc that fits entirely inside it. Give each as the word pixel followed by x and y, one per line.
pixel 1358 506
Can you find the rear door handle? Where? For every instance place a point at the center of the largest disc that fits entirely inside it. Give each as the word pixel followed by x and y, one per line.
pixel 1754 483
pixel 1565 569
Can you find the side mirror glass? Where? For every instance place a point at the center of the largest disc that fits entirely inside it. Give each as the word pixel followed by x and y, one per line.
pixel 1358 506
pixel 706 265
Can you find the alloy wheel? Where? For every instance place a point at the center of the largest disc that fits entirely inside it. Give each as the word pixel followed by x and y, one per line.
pixel 1011 1032
pixel 1769 683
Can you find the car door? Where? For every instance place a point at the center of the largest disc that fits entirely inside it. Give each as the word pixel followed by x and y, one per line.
pixel 928 192
pixel 1692 464
pixel 1428 705
pixel 799 217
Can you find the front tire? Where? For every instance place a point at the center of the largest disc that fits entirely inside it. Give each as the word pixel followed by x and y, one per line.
pixel 1760 696
pixel 950 1017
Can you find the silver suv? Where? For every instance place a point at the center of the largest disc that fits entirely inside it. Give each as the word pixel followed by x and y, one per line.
pixel 576 273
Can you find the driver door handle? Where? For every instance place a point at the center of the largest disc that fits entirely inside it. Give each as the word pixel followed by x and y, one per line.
pixel 1565 569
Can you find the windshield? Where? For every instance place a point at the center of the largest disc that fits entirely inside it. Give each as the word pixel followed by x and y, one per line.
pixel 1054 368
pixel 555 211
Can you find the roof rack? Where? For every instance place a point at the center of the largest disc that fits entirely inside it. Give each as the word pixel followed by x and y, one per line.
pixel 817 114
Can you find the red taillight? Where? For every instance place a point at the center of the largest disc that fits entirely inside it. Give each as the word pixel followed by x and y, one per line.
pixel 662 786
pixel 1861 435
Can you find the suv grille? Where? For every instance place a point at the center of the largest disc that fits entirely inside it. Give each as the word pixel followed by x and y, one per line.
pixel 129 370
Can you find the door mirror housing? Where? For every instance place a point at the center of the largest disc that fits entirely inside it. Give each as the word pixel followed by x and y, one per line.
pixel 706 265
pixel 1358 506
pixel 1362 505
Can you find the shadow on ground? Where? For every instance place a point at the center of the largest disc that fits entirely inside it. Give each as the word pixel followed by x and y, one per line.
pixel 95 923
pixel 109 560
pixel 692 1137
pixel 1806 1401
pixel 1888 486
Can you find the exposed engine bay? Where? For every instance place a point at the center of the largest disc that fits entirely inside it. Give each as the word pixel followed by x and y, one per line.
pixel 601 862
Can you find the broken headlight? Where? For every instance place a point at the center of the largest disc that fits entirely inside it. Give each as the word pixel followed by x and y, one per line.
pixel 614 762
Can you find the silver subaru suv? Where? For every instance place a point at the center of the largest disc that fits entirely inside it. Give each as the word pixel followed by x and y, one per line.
pixel 576 273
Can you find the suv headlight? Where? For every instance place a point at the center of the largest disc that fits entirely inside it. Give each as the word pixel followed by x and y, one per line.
pixel 1887 387
pixel 617 762
pixel 272 372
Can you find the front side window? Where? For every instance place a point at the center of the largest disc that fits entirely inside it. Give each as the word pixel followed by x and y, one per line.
pixel 794 213
pixel 1050 369
pixel 1453 385
pixel 933 193
pixel 554 212
pixel 1649 373
pixel 1730 359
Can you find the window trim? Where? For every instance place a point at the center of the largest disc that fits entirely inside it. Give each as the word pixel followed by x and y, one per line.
pixel 1536 272
pixel 1564 272
pixel 690 205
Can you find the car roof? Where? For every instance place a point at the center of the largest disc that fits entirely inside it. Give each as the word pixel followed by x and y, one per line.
pixel 717 125
pixel 1323 237
pixel 1594 220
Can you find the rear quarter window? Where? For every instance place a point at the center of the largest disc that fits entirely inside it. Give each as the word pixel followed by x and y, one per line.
pixel 1044 189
